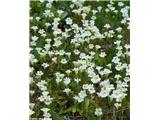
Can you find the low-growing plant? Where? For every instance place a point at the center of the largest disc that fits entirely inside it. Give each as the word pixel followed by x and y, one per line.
pixel 79 60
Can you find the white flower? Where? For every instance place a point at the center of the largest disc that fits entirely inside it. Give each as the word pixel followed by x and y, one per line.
pixel 117 105
pixel 82 94
pixel 57 43
pixel 54 59
pixel 99 68
pixel 61 52
pixel 68 71
pixel 119 29
pixel 50 1
pixel 91 46
pixel 99 8
pixel 34 38
pixel 109 65
pixel 119 36
pixel 41 31
pixel 37 18
pixel 76 52
pixel 57 31
pixel 117 42
pixel 42 84
pixel 120 4
pixel 107 71
pixel 67 80
pixel 117 76
pixel 119 53
pixel 106 88
pixel 77 80
pixel 58 74
pixel 98 111
pixel 48 13
pixel 31 112
pixel 115 60
pixel 98 46
pixel 126 79
pixel 123 21
pixel 69 21
pixel 50 53
pixel 67 90
pixel 107 26
pixel 92 53
pixel 127 72
pixel 119 67
pixel 39 73
pixel 102 54
pixel 34 28
pixel 107 10
pixel 94 12
pixel 68 54
pixel 48 40
pixel 45 98
pixel 46 115
pixel 63 61
pixel 93 17
pixel 118 95
pixel 31 69
pixel 60 12
pixel 48 5
pixel 95 79
pixel 45 65
pixel 45 110
pixel 85 86
pixel 103 93
pixel 91 89
pixel 48 100
pixel 47 46
pixel 58 79
pixel 79 99
pixel 75 70
pixel 31 92
pixel 41 0
pixel 112 8
pixel 127 46
pixel 84 15
pixel 47 24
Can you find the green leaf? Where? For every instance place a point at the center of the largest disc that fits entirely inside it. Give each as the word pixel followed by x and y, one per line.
pixel 55 116
pixel 91 117
pixel 86 104
pixel 71 109
pixel 64 15
pixel 74 109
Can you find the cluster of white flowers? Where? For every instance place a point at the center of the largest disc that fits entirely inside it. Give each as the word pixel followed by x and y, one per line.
pixel 98 111
pixel 45 94
pixel 81 95
pixel 59 77
pixel 45 97
pixel 106 88
pixel 89 87
pixel 79 54
pixel 46 114
pixel 31 107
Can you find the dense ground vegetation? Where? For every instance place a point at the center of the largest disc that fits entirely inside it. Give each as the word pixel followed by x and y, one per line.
pixel 79 60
